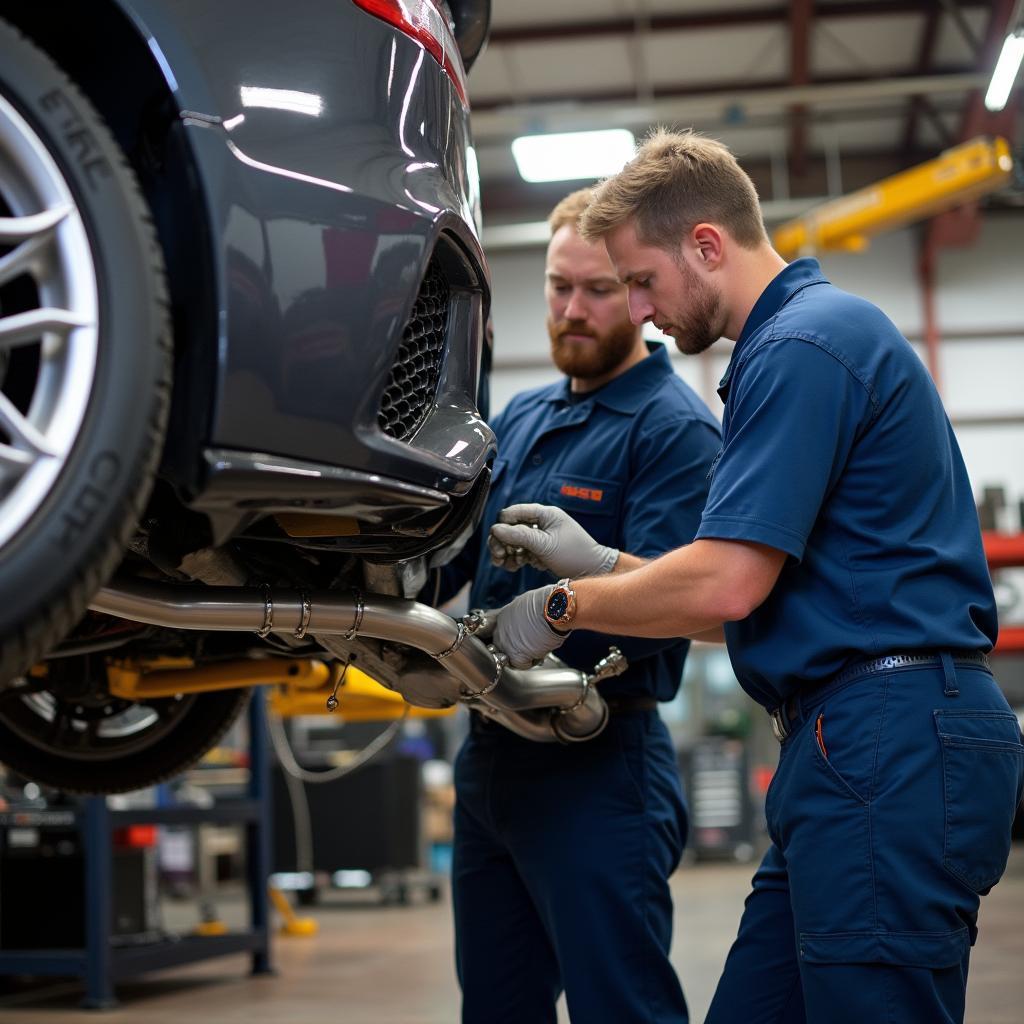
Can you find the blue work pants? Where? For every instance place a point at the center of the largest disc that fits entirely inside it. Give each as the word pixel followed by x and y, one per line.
pixel 560 875
pixel 890 817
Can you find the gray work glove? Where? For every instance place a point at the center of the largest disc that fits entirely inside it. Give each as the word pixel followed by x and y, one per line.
pixel 522 632
pixel 547 538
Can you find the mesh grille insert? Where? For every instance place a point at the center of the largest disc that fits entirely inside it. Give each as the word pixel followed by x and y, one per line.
pixel 412 383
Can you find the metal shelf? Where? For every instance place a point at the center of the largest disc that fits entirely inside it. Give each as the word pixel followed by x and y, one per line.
pixel 127 961
pixel 226 813
pixel 1005 551
pixel 100 964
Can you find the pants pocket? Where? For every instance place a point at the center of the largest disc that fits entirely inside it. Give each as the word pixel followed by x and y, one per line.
pixel 826 762
pixel 907 949
pixel 982 765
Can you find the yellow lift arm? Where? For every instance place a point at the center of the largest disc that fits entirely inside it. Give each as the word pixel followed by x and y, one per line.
pixel 957 176
pixel 299 686
pixel 360 699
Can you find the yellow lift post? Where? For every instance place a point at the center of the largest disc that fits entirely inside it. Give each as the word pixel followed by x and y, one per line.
pixel 959 175
pixel 291 924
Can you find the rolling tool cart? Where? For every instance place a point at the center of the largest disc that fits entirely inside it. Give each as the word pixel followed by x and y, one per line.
pixel 722 818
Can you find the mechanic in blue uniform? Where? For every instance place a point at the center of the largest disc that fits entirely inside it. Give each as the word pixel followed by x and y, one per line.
pixel 840 548
pixel 562 854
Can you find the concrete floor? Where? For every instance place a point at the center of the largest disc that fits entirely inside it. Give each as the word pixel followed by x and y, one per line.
pixel 392 965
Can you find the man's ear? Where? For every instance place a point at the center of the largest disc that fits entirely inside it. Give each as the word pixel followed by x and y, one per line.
pixel 707 242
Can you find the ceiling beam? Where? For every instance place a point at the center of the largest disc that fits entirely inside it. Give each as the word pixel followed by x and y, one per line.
pixel 960 227
pixel 775 15
pixel 692 103
pixel 947 136
pixel 800 14
pixel 955 10
pixel 738 86
pixel 925 53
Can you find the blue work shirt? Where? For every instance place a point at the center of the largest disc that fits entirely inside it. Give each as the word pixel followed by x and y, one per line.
pixel 630 464
pixel 838 452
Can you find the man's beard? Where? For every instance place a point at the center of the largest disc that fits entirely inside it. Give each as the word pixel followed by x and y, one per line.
pixel 588 360
pixel 701 325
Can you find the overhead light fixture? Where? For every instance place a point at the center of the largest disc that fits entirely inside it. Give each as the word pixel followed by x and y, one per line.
pixel 573 156
pixel 1006 71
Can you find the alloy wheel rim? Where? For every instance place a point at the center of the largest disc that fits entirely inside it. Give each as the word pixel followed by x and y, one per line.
pixel 49 338
pixel 102 732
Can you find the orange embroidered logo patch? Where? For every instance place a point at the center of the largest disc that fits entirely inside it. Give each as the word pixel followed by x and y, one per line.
pixel 587 493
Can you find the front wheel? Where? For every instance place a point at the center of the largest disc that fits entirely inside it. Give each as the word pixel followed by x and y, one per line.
pixel 84 353
pixel 67 733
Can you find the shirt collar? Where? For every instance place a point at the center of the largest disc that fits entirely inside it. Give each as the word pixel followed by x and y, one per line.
pixel 790 280
pixel 623 393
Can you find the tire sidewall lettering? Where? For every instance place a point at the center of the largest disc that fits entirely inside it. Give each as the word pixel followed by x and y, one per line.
pixel 90 499
pixel 79 142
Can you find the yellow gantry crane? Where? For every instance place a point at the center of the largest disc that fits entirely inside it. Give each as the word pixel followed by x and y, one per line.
pixel 957 176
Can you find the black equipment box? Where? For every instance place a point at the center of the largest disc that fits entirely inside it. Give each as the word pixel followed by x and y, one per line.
pixel 42 885
pixel 369 820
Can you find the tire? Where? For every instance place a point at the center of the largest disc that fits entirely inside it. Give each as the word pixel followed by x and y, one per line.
pixel 66 518
pixel 190 727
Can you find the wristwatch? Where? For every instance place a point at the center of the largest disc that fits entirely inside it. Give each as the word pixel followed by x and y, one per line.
pixel 560 607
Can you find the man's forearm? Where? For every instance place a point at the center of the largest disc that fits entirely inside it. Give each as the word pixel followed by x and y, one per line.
pixel 690 592
pixel 627 562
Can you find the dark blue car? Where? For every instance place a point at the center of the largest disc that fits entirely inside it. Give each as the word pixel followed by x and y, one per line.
pixel 242 300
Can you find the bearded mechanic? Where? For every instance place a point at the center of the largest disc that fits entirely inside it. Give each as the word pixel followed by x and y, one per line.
pixel 562 854
pixel 840 557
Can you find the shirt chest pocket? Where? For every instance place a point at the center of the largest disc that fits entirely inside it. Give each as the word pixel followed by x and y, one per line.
pixel 594 503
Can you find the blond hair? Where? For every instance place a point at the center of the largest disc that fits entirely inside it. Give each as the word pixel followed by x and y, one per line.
pixel 570 209
pixel 676 181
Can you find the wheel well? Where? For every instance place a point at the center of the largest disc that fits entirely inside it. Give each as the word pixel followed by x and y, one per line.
pixel 144 120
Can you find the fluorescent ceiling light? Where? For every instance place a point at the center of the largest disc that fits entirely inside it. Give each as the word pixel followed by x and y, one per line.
pixel 1006 71
pixel 308 103
pixel 571 156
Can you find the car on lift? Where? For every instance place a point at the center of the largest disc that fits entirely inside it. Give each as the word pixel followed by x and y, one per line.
pixel 242 298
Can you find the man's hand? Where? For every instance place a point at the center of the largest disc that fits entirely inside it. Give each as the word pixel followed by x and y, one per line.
pixel 547 538
pixel 522 632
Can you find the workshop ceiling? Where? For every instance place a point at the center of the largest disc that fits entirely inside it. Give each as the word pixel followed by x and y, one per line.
pixel 816 97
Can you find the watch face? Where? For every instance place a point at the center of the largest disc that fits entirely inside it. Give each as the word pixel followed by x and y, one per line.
pixel 558 603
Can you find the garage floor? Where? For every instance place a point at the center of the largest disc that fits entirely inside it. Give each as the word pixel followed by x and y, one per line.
pixel 393 966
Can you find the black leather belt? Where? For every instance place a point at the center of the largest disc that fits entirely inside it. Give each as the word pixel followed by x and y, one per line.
pixel 794 707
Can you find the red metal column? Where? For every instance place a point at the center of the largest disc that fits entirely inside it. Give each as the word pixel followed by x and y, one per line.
pixel 800 14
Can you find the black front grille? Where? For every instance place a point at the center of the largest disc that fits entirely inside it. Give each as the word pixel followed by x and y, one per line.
pixel 412 383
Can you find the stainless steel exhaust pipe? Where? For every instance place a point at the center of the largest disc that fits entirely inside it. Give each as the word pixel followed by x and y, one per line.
pixel 544 703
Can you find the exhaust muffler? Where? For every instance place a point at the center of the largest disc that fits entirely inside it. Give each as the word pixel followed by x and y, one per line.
pixel 547 703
